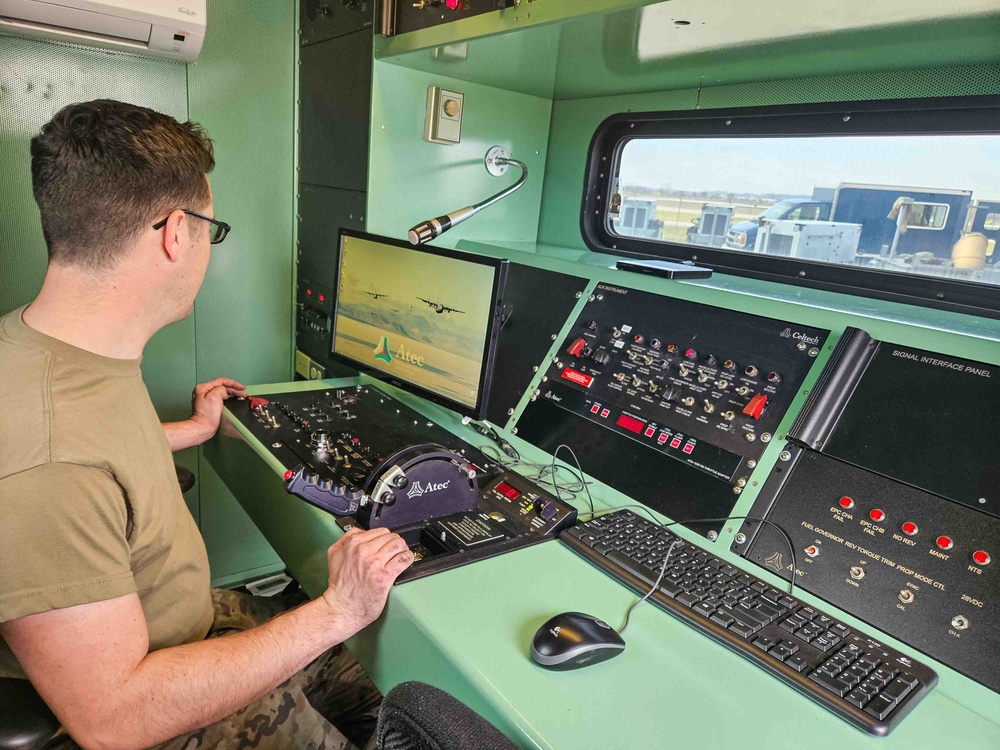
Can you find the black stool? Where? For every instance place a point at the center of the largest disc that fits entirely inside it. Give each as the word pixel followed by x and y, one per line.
pixel 27 724
pixel 417 716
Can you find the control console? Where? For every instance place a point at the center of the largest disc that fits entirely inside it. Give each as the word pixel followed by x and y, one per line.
pixel 893 508
pixel 360 454
pixel 670 401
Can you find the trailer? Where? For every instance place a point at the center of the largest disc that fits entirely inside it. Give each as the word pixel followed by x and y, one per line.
pixel 895 220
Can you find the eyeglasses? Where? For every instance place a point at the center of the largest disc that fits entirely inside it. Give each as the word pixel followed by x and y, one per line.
pixel 219 228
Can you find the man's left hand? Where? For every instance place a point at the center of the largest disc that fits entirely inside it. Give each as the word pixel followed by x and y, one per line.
pixel 206 401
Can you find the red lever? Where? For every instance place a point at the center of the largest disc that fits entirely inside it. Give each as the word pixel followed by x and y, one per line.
pixel 257 401
pixel 576 348
pixel 756 406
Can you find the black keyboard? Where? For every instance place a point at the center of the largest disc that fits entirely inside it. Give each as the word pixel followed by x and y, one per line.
pixel 860 679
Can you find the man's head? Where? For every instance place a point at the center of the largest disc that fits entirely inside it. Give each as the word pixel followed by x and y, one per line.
pixel 103 173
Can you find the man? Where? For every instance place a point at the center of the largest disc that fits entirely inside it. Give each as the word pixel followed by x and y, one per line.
pixel 104 585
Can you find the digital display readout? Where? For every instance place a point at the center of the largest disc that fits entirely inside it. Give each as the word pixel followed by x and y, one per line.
pixel 507 491
pixel 630 423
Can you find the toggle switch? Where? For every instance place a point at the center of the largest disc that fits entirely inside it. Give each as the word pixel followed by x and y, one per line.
pixel 576 348
pixel 755 407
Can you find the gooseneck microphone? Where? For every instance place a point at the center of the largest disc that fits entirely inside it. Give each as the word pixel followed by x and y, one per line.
pixel 496 163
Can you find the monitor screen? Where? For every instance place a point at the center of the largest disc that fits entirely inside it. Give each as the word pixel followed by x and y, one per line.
pixel 424 319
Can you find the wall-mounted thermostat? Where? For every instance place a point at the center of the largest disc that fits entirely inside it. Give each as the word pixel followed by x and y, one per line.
pixel 443 122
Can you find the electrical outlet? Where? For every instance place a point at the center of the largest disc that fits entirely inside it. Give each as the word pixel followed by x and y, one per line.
pixel 443 120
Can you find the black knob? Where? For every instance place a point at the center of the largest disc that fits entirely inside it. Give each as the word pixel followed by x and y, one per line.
pixel 590 325
pixel 710 360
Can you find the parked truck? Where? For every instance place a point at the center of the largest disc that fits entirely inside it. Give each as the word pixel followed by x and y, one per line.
pixel 932 219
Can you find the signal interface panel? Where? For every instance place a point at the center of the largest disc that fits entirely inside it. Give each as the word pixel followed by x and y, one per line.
pixel 670 401
pixel 892 507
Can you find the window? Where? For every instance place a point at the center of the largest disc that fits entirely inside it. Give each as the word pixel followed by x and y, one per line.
pixel 871 197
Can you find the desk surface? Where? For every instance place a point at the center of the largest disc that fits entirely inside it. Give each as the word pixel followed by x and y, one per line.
pixel 467 631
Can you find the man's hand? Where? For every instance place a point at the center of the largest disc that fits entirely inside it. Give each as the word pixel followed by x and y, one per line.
pixel 206 402
pixel 363 566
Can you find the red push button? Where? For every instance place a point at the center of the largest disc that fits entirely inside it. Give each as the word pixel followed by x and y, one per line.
pixel 981 557
pixel 579 378
pixel 595 408
pixel 876 514
pixel 756 406
pixel 576 348
pixel 289 474
pixel 688 448
pixel 910 528
pixel 675 443
pixel 945 542
pixel 649 432
pixel 662 438
pixel 846 502
pixel 604 413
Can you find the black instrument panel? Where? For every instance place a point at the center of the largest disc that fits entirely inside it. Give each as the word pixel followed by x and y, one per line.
pixel 669 401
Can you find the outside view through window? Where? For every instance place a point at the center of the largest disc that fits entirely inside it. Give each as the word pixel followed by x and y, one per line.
pixel 918 204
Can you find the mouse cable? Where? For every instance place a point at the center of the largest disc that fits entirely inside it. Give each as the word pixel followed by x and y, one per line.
pixel 656 585
pixel 585 484
pixel 776 527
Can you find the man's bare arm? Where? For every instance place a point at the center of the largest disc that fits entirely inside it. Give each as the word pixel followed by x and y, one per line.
pixel 90 662
pixel 206 402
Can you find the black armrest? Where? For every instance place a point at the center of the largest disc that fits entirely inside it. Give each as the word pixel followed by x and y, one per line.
pixel 26 723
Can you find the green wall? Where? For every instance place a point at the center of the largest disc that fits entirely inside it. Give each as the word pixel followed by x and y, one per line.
pixel 242 90
pixel 410 180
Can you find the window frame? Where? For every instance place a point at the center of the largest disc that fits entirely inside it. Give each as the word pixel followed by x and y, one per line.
pixel 965 115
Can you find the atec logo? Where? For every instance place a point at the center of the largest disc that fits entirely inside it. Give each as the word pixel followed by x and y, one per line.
pixel 382 351
pixel 417 489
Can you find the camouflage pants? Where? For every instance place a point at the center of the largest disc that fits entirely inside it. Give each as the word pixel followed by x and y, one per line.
pixel 330 705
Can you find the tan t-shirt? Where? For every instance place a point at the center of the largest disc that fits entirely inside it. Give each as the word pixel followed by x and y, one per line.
pixel 90 508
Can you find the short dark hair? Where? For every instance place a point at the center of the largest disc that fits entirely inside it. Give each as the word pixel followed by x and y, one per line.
pixel 103 171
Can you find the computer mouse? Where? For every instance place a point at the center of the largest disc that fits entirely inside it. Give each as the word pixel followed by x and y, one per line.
pixel 573 640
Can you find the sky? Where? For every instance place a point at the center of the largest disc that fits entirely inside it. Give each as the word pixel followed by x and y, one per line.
pixel 793 166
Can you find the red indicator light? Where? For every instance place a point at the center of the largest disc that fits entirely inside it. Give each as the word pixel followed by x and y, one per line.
pixel 453 4
pixel 910 528
pixel 322 298
pixel 675 443
pixel 876 514
pixel 981 557
pixel 579 378
pixel 662 438
pixel 688 448
pixel 630 423
pixel 289 474
pixel 309 292
pixel 945 542
pixel 846 502
pixel 691 354
pixel 605 413
pixel 511 493
pixel 649 432
pixel 595 408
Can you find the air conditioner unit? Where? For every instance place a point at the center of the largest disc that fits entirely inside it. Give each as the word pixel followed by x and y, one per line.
pixel 172 29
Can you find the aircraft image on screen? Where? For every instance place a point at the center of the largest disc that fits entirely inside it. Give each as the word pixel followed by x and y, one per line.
pixel 376 295
pixel 439 307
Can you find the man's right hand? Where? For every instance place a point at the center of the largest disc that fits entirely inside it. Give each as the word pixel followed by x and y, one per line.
pixel 363 566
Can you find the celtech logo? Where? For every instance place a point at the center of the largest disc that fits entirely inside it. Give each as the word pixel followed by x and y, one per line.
pixel 382 351
pixel 786 334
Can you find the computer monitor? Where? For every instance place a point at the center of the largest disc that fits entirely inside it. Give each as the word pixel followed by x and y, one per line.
pixel 423 319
